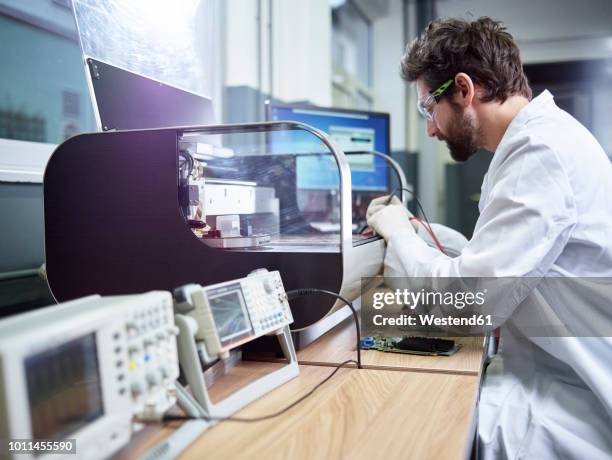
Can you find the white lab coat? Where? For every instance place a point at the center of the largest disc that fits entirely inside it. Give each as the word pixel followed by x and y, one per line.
pixel 545 210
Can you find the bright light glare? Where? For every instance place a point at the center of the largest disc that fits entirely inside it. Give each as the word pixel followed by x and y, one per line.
pixel 164 14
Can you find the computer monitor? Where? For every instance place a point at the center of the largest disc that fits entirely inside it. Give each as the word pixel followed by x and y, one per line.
pixel 353 131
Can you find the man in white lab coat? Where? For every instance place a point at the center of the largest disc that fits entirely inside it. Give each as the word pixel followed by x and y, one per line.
pixel 545 211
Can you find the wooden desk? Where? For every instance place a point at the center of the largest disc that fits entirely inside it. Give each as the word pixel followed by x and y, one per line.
pixel 338 345
pixel 357 414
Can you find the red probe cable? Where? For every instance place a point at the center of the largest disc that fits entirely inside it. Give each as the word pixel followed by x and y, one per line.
pixel 431 233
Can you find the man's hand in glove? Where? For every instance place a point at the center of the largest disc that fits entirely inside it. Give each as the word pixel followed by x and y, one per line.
pixel 389 219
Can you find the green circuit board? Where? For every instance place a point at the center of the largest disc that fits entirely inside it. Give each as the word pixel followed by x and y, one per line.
pixel 388 345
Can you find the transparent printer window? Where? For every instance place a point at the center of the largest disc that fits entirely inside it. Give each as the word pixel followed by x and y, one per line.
pixel 271 188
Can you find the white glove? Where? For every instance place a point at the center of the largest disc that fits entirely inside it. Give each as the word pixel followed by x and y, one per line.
pixel 390 220
pixel 377 204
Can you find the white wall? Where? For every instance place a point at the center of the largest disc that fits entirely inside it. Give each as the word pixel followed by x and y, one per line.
pixel 240 38
pixel 301 47
pixel 302 50
pixel 547 30
pixel 389 89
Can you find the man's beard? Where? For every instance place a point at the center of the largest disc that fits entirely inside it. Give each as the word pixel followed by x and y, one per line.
pixel 462 139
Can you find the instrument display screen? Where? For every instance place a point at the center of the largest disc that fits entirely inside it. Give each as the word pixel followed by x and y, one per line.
pixel 230 314
pixel 64 388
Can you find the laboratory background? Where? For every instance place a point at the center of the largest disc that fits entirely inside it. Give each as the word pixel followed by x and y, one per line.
pixel 289 117
pixel 244 53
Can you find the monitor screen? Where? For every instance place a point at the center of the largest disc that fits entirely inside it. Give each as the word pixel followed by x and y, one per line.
pixel 230 314
pixel 64 389
pixel 353 131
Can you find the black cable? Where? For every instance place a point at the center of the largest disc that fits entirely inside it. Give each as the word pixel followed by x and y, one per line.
pixel 189 159
pixel 418 205
pixel 290 295
pixel 168 418
pixel 395 190
pixel 307 291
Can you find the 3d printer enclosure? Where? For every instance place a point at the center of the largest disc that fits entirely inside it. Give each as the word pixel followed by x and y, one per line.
pixel 113 226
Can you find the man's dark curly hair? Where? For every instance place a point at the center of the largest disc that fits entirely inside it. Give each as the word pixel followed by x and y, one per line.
pixel 483 49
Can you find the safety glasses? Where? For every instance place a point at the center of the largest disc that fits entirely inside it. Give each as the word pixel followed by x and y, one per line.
pixel 426 106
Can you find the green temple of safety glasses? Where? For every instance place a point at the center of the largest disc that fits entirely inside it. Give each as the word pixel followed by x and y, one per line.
pixel 425 106
pixel 440 91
